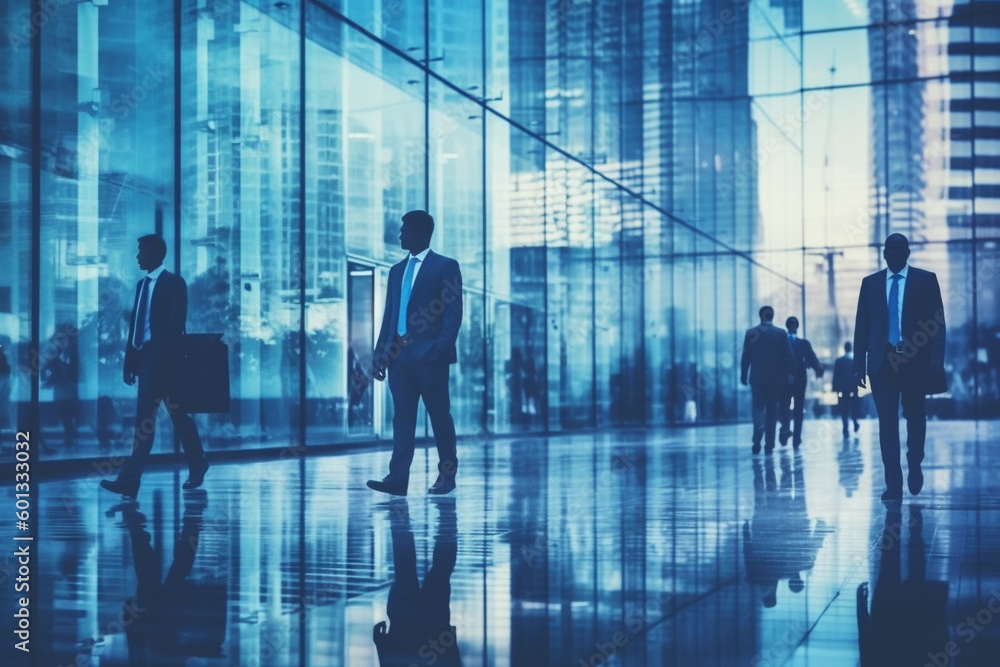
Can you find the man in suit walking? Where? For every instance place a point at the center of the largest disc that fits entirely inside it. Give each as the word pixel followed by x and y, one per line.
pixel 767 367
pixel 846 388
pixel 792 404
pixel 159 314
pixel 899 342
pixel 423 313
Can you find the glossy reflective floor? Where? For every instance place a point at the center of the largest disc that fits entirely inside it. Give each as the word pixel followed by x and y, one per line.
pixel 671 547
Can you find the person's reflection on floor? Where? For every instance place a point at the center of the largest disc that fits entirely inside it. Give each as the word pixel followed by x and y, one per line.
pixel 850 465
pixel 780 542
pixel 175 618
pixel 420 630
pixel 908 619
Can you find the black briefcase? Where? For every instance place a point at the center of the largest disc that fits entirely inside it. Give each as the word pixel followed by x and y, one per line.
pixel 201 379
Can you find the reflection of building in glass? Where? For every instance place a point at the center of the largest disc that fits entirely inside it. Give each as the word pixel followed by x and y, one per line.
pixel 897 122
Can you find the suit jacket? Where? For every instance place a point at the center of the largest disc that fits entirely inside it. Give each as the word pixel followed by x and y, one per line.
pixel 767 356
pixel 922 327
pixel 843 376
pixel 803 358
pixel 433 314
pixel 167 317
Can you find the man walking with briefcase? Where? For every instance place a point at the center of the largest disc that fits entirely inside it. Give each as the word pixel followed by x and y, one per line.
pixel 152 349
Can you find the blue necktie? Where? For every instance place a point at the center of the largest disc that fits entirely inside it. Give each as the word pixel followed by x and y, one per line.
pixel 139 335
pixel 404 295
pixel 894 335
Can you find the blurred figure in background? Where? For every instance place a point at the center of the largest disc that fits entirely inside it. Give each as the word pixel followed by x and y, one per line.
pixel 847 389
pixel 793 403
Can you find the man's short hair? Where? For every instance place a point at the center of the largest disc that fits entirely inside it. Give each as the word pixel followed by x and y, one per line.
pixel 766 313
pixel 421 221
pixel 156 244
pixel 792 323
pixel 897 239
pixel 848 347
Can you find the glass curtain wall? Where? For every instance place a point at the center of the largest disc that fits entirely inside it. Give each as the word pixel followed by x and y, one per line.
pixel 624 184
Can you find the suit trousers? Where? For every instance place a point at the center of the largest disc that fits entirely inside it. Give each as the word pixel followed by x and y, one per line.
pixel 409 381
pixel 888 387
pixel 765 412
pixel 154 387
pixel 791 410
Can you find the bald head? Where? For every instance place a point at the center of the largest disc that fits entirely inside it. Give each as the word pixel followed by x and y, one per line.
pixel 896 251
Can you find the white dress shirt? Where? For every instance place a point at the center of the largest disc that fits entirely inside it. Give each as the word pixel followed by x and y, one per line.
pixel 147 334
pixel 421 256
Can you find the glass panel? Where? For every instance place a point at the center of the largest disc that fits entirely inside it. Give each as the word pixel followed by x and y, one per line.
pixel 778 170
pixel 107 178
pixel 608 303
pixel 456 44
pixel 987 335
pixel 456 202
pixel 397 22
pixel 16 362
pixel 841 58
pixel 774 58
pixel 365 168
pixel 570 296
pixel 517 261
pixel 828 15
pixel 241 192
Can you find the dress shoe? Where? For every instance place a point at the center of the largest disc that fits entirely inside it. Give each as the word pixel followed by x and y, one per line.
pixel 892 494
pixel 121 488
pixel 392 488
pixel 915 480
pixel 196 476
pixel 856 426
pixel 444 484
pixel 796 444
pixel 769 448
pixel 756 448
pixel 784 436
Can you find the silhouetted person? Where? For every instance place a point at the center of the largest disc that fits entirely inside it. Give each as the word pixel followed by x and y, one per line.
pixel 172 619
pixel 767 367
pixel 159 317
pixel 419 629
pixel 61 372
pixel 780 542
pixel 514 370
pixel 899 342
pixel 848 403
pixel 793 404
pixel 908 621
pixel 532 400
pixel 423 313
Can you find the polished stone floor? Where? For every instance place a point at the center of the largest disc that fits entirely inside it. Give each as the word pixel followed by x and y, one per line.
pixel 660 547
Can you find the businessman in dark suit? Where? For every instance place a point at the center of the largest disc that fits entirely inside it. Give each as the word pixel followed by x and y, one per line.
pixel 846 388
pixel 792 404
pixel 899 342
pixel 159 313
pixel 767 367
pixel 416 345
